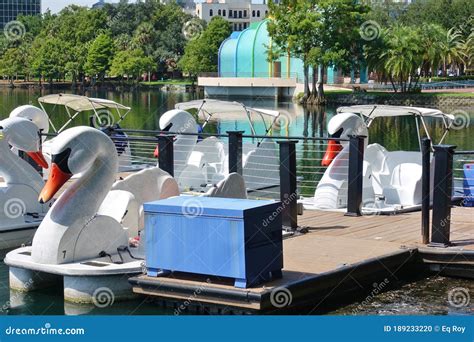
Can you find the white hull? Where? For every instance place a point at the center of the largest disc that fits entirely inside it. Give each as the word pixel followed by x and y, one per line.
pixel 15 236
pixel 84 282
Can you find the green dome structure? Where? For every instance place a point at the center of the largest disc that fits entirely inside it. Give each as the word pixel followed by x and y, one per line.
pixel 244 54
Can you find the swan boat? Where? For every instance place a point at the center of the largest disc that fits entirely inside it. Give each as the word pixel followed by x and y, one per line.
pixel 201 163
pixel 84 239
pixel 391 179
pixel 90 238
pixel 20 212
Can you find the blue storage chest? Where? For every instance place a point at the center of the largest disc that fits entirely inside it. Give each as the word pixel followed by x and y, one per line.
pixel 468 185
pixel 235 238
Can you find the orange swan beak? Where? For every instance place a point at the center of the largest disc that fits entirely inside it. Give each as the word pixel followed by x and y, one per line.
pixel 38 158
pixel 333 149
pixel 57 178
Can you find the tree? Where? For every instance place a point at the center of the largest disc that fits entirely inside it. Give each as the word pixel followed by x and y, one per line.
pixel 322 33
pixel 202 53
pixel 131 63
pixel 99 56
pixel 451 48
pixel 12 63
pixel 291 28
pixel 337 41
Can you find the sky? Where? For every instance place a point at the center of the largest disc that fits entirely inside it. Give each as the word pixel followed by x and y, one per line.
pixel 57 5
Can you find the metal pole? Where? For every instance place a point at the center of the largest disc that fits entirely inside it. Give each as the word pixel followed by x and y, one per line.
pixel 442 195
pixel 355 175
pixel 235 152
pixel 166 153
pixel 288 188
pixel 425 190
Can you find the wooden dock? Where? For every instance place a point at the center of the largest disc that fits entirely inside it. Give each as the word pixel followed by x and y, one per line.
pixel 339 255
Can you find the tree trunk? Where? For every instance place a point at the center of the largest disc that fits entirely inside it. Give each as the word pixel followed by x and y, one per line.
pixel 321 99
pixel 393 84
pixel 314 89
pixel 307 91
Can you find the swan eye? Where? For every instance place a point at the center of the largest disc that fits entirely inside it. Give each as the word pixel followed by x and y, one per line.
pixel 62 159
pixel 167 128
pixel 338 133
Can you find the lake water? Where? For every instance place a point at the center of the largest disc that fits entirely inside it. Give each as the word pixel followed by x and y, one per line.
pixel 423 297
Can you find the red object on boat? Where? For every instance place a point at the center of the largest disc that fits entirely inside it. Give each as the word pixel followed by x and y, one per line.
pixel 333 149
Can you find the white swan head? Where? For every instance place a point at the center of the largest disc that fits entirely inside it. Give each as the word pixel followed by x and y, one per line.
pixel 23 135
pixel 32 113
pixel 178 121
pixel 75 151
pixel 342 126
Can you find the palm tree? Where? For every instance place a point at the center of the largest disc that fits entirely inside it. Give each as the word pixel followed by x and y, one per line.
pixel 468 51
pixel 452 47
pixel 403 56
pixel 432 39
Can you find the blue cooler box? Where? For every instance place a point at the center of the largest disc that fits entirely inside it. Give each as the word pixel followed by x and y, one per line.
pixel 468 185
pixel 234 238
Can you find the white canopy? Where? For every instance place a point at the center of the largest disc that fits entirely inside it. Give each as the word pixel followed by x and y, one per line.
pixel 81 103
pixel 371 112
pixel 375 111
pixel 214 107
pixel 209 109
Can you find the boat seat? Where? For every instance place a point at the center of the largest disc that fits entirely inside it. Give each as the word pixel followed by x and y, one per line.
pixel 233 186
pixel 209 154
pixel 405 185
pixel 261 167
pixel 376 157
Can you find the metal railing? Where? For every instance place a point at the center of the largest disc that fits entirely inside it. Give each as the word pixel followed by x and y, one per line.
pixel 284 168
pixel 452 188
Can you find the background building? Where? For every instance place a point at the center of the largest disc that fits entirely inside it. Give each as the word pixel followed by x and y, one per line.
pixel 99 4
pixel 11 9
pixel 240 13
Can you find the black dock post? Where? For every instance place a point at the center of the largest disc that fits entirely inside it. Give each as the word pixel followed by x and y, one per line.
pixel 442 195
pixel 235 152
pixel 166 153
pixel 288 185
pixel 425 190
pixel 355 176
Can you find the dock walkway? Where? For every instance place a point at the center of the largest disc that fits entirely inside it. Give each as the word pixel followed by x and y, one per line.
pixel 339 255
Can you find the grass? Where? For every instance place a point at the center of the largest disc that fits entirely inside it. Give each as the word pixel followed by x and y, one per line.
pixel 168 82
pixel 391 94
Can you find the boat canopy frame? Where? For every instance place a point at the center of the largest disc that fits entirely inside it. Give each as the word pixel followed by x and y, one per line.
pixel 211 108
pixel 369 113
pixel 76 104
